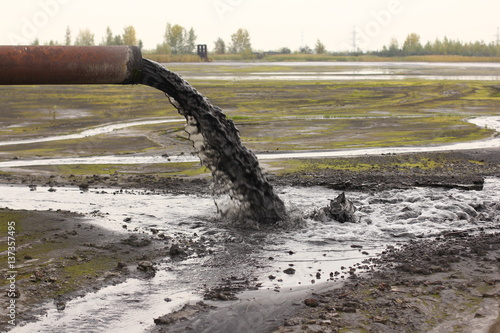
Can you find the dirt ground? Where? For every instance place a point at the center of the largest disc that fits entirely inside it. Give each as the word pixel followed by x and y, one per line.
pixel 448 284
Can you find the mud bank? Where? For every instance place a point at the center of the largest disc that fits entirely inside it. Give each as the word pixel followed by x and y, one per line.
pixel 60 256
pixel 453 169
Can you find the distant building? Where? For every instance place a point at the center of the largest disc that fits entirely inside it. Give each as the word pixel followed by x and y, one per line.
pixel 202 51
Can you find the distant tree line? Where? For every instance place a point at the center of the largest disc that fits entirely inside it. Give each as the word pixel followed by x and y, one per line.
pixel 178 40
pixel 413 46
pixel 86 38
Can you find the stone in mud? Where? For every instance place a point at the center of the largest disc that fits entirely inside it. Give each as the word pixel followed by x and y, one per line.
pixel 136 241
pixel 289 271
pixel 340 209
pixel 312 302
pixel 176 250
pixel 145 266
pixel 292 322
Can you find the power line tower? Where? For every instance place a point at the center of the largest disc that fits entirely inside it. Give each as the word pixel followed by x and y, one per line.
pixel 354 48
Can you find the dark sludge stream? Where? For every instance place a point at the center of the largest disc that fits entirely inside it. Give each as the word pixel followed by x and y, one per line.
pixel 241 192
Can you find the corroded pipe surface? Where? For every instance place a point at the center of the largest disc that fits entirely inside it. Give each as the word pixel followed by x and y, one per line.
pixel 70 65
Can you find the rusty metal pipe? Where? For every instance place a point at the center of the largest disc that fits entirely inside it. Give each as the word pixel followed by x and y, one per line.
pixel 70 65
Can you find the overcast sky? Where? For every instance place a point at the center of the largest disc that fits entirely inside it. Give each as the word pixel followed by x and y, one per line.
pixel 272 24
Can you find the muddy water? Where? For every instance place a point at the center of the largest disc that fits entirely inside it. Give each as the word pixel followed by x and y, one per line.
pixel 349 71
pixel 241 191
pixel 319 247
pixel 90 131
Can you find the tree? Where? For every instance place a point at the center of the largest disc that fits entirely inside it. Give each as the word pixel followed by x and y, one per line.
pixel 67 38
pixel 305 50
pixel 129 37
pixel 285 50
pixel 35 42
pixel 190 41
pixel 174 38
pixel 412 44
pixel 84 38
pixel 117 40
pixel 177 40
pixel 220 46
pixel 163 48
pixel 240 42
pixel 320 48
pixel 108 37
pixel 393 47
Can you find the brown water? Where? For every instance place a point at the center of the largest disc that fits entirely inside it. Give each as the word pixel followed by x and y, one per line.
pixel 241 191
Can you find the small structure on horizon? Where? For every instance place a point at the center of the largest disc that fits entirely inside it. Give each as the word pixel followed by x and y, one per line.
pixel 202 52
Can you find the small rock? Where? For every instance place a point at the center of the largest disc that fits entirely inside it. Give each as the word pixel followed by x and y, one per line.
pixel 289 271
pixel 164 320
pixel 347 310
pixel 60 305
pixel 292 322
pixel 176 250
pixel 312 302
pixel 380 320
pixel 145 266
pixel 121 265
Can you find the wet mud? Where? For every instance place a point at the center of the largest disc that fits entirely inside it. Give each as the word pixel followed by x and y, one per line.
pixel 424 285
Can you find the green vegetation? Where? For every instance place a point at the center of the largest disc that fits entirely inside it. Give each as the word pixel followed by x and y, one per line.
pixel 77 273
pixel 412 46
pixel 178 45
pixel 355 164
pixel 180 169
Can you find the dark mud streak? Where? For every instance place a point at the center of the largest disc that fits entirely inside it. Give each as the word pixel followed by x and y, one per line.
pixel 235 169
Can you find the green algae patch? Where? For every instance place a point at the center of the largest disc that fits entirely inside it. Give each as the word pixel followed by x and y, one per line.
pixel 407 163
pixel 77 273
pixel 186 169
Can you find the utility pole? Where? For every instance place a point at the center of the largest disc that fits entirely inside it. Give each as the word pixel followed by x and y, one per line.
pixel 354 39
pixel 498 36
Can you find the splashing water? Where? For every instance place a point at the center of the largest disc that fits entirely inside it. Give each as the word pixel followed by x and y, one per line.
pixel 241 192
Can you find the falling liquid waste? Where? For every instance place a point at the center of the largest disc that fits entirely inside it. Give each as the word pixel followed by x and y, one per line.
pixel 241 192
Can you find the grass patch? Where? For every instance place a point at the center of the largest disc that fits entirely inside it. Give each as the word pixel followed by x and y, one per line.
pixel 6 217
pixel 355 164
pixel 187 169
pixel 76 274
